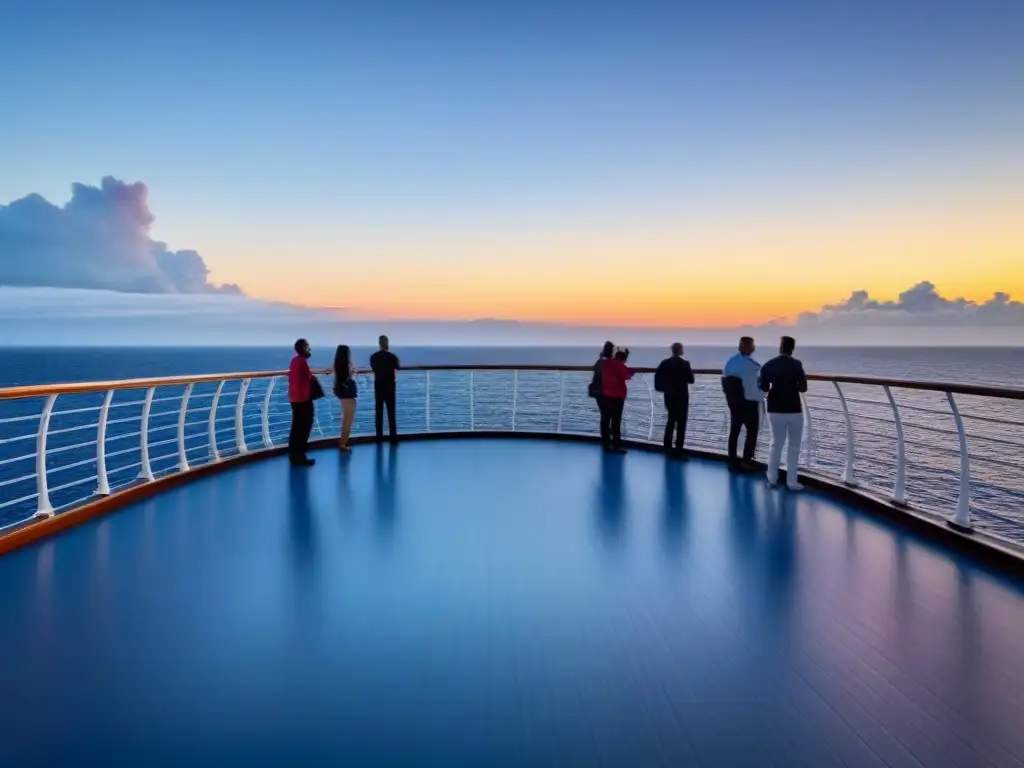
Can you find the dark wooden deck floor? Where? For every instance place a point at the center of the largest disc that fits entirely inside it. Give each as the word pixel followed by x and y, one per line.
pixel 522 603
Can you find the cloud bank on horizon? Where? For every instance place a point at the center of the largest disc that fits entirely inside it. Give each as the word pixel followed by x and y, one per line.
pixel 918 305
pixel 99 239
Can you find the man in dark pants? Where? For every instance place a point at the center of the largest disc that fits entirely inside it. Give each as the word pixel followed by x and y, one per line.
pixel 300 395
pixel 743 394
pixel 385 367
pixel 674 377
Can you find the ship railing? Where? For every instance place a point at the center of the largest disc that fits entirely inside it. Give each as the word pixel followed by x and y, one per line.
pixel 946 450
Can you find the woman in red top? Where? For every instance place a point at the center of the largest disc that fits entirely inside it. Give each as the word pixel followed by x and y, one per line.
pixel 613 381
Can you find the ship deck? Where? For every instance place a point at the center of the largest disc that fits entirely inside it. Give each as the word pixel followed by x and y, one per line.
pixel 504 602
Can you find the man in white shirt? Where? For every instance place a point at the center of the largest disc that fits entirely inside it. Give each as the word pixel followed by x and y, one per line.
pixel 744 396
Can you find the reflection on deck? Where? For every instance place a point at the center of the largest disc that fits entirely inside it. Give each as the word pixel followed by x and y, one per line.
pixel 504 603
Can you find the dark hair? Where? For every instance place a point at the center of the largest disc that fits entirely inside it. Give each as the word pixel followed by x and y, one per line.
pixel 745 341
pixel 341 361
pixel 608 350
pixel 787 345
pixel 383 341
pixel 622 354
pixel 300 345
pixel 677 348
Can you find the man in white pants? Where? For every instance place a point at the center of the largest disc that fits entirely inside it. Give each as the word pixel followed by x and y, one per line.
pixel 784 380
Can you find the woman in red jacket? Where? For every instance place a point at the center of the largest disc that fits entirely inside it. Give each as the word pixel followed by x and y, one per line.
pixel 613 380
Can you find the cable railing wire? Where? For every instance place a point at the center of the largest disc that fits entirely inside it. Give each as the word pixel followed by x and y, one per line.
pixel 912 454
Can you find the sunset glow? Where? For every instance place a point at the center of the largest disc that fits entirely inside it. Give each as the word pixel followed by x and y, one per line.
pixel 682 164
pixel 699 277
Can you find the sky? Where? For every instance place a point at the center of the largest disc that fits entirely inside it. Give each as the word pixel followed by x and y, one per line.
pixel 676 164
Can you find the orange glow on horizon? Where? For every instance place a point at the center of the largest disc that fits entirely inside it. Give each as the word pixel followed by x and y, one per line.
pixel 706 310
pixel 702 274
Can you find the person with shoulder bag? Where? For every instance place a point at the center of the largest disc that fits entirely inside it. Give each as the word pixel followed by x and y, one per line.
pixel 740 383
pixel 346 390
pixel 302 391
pixel 614 376
pixel 596 391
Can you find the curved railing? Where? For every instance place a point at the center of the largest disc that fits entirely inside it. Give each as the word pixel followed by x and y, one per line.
pixel 944 450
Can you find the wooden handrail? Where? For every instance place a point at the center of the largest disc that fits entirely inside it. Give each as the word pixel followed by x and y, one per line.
pixel 74 388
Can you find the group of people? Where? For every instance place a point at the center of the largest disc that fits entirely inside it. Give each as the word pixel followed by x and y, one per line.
pixel 608 388
pixel 777 386
pixel 304 388
pixel 748 386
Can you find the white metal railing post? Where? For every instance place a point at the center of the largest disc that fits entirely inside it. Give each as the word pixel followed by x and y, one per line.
pixel 240 417
pixel 848 476
pixel 316 419
pixel 809 423
pixel 515 397
pixel 102 481
pixel 962 516
pixel 43 507
pixel 265 416
pixel 726 418
pixel 561 401
pixel 214 453
pixel 764 423
pixel 316 416
pixel 146 470
pixel 426 405
pixel 472 411
pixel 650 397
pixel 899 490
pixel 182 414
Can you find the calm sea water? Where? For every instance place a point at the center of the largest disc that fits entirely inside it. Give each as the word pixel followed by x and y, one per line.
pixel 543 401
pixel 998 366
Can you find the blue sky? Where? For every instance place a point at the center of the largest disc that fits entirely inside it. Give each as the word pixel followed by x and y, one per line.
pixel 359 143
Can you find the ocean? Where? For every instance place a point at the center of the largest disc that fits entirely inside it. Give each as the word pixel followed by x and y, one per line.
pixel 544 401
pixel 978 365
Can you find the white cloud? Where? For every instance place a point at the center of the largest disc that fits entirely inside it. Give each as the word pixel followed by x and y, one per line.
pixel 99 239
pixel 920 305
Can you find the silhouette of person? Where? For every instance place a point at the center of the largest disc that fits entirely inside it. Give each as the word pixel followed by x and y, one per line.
pixel 784 380
pixel 385 366
pixel 673 377
pixel 300 396
pixel 744 396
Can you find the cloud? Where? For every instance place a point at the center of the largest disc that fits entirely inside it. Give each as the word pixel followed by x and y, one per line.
pixel 920 305
pixel 99 239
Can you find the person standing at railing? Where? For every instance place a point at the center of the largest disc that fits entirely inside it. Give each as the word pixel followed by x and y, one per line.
pixel 784 380
pixel 385 366
pixel 596 391
pixel 614 376
pixel 300 395
pixel 744 397
pixel 674 377
pixel 346 390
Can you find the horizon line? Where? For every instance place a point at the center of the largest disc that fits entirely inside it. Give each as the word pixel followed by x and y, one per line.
pixel 699 345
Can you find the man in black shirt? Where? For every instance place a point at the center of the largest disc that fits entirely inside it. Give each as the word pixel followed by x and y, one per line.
pixel 674 377
pixel 385 367
pixel 784 380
